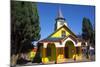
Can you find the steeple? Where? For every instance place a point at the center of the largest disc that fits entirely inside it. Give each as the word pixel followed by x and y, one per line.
pixel 60 20
pixel 60 15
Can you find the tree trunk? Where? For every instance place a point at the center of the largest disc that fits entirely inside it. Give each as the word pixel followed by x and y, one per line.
pixel 14 59
pixel 88 47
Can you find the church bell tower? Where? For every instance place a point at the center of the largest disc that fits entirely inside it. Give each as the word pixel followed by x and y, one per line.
pixel 60 20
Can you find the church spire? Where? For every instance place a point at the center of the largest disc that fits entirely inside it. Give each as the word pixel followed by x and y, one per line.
pixel 60 15
pixel 60 20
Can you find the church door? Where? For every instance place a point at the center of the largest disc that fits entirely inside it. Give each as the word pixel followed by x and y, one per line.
pixel 69 49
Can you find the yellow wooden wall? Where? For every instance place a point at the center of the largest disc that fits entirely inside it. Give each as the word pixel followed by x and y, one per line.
pixel 58 33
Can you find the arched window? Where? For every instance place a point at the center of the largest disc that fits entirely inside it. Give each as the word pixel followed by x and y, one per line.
pixel 63 34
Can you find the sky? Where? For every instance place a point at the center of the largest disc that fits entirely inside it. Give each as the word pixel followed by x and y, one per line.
pixel 72 13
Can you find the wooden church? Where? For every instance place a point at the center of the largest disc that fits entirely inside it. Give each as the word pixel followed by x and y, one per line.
pixel 61 45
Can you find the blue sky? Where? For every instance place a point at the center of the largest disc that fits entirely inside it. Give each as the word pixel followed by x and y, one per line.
pixel 72 13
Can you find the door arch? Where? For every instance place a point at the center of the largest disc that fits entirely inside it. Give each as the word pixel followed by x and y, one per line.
pixel 69 50
pixel 51 51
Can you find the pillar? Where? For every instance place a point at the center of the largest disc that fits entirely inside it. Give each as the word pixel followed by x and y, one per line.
pixel 56 55
pixel 63 51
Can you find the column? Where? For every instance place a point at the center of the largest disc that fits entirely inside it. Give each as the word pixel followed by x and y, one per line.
pixel 63 52
pixel 56 55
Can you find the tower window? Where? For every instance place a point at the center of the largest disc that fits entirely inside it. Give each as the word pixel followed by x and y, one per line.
pixel 63 34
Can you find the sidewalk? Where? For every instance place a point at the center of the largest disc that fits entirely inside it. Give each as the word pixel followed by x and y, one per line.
pixel 84 59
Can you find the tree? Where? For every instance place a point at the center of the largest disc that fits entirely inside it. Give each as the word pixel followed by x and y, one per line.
pixel 24 27
pixel 87 29
pixel 93 37
pixel 87 32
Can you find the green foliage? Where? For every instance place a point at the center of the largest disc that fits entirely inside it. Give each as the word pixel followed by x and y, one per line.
pixel 24 25
pixel 38 58
pixel 88 33
pixel 31 55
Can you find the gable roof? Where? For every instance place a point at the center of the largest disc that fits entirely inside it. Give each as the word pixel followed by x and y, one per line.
pixel 58 39
pixel 65 28
pixel 52 40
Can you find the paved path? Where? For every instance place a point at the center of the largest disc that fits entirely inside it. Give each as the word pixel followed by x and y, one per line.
pixel 84 59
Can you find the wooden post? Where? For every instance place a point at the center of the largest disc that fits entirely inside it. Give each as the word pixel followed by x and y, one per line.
pixel 56 56
pixel 43 55
pixel 63 52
